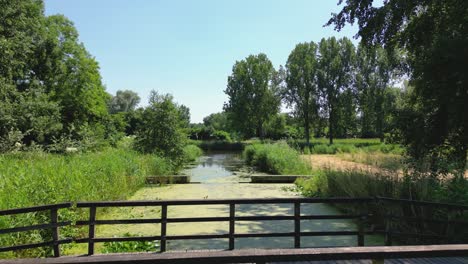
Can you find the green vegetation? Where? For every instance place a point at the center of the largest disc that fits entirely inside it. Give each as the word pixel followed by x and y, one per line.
pixel 130 246
pixel 432 120
pixel 191 153
pixel 329 183
pixel 277 158
pixel 37 178
pixel 386 161
pixel 216 145
pixel 253 76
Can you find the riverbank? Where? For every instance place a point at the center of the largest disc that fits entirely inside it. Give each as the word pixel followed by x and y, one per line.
pixel 38 178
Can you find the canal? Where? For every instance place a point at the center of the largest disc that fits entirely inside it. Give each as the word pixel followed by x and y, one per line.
pixel 224 176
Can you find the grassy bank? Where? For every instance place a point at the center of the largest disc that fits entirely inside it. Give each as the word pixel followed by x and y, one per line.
pixel 37 178
pixel 277 158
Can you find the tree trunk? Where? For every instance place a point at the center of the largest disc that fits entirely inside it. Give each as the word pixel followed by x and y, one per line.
pixel 307 128
pixel 330 125
pixel 260 130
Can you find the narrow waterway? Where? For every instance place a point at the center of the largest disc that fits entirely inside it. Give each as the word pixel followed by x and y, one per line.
pixel 223 176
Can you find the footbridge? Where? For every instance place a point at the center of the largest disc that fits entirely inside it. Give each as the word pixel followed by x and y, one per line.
pixel 412 230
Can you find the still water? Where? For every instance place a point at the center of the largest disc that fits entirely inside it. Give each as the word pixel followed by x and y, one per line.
pixel 224 176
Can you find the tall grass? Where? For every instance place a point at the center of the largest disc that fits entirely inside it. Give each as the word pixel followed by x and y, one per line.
pixel 352 183
pixel 277 158
pixel 351 145
pixel 37 178
pixel 392 162
pixel 191 153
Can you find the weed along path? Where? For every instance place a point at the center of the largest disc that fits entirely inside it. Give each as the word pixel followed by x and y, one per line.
pixel 220 176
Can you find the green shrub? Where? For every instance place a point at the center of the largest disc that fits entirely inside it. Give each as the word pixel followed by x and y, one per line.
pixel 37 178
pixel 222 135
pixel 191 153
pixel 277 158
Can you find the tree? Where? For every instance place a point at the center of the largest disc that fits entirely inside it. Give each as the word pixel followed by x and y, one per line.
pixel 374 71
pixel 162 131
pixel 217 121
pixel 253 99
pixel 124 101
pixel 301 91
pixel 334 76
pixel 70 74
pixel 433 33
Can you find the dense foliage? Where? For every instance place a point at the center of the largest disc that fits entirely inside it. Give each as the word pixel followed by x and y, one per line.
pixel 252 93
pixel 163 129
pixel 50 86
pixel 277 158
pixel 433 35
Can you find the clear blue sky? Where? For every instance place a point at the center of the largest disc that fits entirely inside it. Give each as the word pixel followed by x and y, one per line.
pixel 187 48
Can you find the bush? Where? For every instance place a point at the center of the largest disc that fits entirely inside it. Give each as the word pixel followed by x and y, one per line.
pixel 222 135
pixel 277 158
pixel 191 153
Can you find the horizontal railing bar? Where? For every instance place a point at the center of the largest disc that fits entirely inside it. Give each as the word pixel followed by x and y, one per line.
pixel 33 227
pixel 197 219
pixel 417 235
pixel 330 233
pixel 34 209
pixel 183 237
pixel 214 236
pixel 282 234
pixel 120 221
pixel 331 217
pixel 417 219
pixel 222 201
pixel 117 239
pixel 35 245
pixel 216 219
pixel 424 203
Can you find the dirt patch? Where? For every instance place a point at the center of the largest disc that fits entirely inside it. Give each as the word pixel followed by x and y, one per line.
pixel 333 162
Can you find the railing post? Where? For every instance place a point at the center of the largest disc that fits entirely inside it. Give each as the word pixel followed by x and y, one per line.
pixel 297 224
pixel 388 230
pixel 163 227
pixel 92 224
pixel 361 224
pixel 232 224
pixel 55 231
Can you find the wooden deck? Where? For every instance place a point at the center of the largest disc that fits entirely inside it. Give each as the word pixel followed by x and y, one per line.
pixel 454 260
pixel 434 254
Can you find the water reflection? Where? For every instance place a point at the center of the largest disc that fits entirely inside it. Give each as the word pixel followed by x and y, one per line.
pixel 214 167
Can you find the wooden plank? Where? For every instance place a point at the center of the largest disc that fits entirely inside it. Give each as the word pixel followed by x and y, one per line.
pixel 34 209
pixel 424 203
pixel 35 245
pixel 263 255
pixel 55 232
pixel 33 227
pixel 163 227
pixel 297 225
pixel 120 221
pixel 232 225
pixel 224 201
pixel 361 231
pixel 92 218
pixel 116 239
